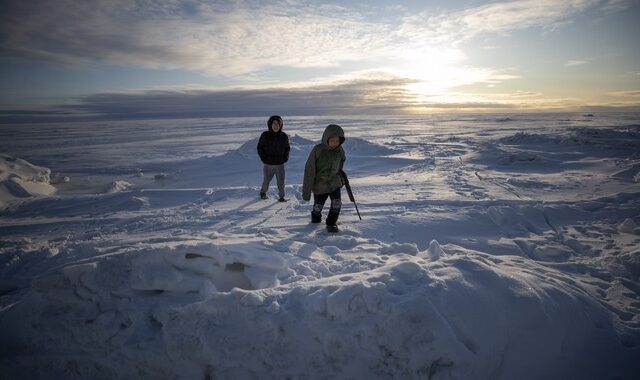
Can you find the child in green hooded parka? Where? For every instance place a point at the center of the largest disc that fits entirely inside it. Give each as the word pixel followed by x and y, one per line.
pixel 321 176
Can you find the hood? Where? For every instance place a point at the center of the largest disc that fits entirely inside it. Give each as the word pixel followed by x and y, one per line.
pixel 271 119
pixel 332 130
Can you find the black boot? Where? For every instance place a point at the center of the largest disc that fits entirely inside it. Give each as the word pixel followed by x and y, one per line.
pixel 263 196
pixel 332 218
pixel 332 221
pixel 316 217
pixel 332 228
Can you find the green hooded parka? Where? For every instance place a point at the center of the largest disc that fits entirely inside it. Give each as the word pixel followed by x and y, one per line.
pixel 323 165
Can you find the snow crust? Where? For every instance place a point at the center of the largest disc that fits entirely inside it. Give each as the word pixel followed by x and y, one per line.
pixel 20 179
pixel 491 247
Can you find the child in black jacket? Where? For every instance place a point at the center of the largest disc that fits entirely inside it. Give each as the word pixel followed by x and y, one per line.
pixel 273 149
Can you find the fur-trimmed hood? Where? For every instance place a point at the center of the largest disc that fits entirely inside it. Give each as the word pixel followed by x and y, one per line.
pixel 271 119
pixel 332 130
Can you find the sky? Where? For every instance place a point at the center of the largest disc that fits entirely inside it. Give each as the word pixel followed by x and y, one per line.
pixel 122 59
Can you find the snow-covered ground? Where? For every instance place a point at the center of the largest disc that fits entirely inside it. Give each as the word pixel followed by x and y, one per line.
pixel 491 247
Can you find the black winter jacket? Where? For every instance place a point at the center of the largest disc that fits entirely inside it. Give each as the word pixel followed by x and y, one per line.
pixel 273 147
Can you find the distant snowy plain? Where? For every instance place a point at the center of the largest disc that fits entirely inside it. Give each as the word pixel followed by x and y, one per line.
pixel 491 247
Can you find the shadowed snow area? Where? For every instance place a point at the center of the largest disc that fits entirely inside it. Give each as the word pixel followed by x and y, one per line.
pixel 491 247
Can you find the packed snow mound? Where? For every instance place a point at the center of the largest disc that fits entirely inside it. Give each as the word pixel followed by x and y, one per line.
pixel 622 138
pixel 628 226
pixel 162 314
pixel 242 166
pixel 611 138
pixel 118 186
pixel 435 251
pixel 492 155
pixel 21 179
pixel 298 142
pixel 353 146
pixel 298 145
pixel 206 269
pixel 361 147
pixel 525 138
pixel 631 174
pixel 540 152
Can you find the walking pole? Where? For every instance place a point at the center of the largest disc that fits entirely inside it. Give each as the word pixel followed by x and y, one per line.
pixel 349 192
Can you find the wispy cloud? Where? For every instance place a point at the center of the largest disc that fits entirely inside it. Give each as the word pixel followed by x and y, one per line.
pixel 234 38
pixel 422 54
pixel 372 94
pixel 615 5
pixel 224 38
pixel 625 94
pixel 526 94
pixel 576 62
pixel 495 18
pixel 514 101
pixel 366 95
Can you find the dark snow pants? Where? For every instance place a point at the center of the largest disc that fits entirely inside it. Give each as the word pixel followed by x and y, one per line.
pixel 334 210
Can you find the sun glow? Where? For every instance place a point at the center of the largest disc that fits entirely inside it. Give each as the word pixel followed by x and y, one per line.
pixel 439 71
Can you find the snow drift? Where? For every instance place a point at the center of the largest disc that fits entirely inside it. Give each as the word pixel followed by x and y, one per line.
pixel 485 251
pixel 20 179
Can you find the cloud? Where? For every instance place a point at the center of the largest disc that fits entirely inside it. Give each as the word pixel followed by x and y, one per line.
pixel 508 101
pixel 614 5
pixel 371 93
pixel 526 94
pixel 8 116
pixel 576 62
pixel 625 94
pixel 363 96
pixel 233 38
pixel 421 53
pixel 495 18
pixel 219 38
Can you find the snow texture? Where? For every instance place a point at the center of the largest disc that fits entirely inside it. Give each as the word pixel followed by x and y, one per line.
pixel 491 247
pixel 20 179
